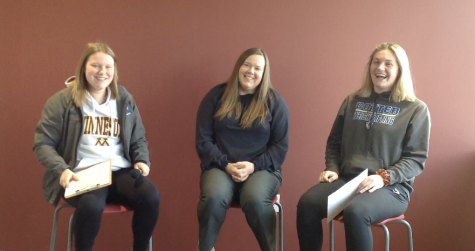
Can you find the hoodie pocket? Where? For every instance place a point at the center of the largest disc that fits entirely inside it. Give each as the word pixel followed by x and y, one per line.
pixel 354 164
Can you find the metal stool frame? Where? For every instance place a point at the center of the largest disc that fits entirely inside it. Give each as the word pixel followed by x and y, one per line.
pixel 382 224
pixel 120 209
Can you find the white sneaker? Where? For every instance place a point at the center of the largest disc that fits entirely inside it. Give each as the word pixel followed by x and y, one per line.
pixel 198 248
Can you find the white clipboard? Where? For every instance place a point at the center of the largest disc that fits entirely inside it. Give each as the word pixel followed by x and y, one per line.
pixel 338 200
pixel 91 178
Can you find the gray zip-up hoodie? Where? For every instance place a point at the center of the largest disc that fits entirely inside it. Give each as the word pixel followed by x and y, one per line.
pixel 60 129
pixel 377 133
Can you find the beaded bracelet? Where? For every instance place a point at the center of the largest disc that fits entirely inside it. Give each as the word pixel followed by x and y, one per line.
pixel 385 175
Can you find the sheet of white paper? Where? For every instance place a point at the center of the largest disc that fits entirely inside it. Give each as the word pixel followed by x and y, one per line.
pixel 338 200
pixel 91 178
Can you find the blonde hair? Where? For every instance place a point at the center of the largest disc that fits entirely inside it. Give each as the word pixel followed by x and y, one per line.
pixel 258 108
pixel 79 85
pixel 403 88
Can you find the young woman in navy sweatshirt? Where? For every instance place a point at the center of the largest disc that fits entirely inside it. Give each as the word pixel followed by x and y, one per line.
pixel 242 134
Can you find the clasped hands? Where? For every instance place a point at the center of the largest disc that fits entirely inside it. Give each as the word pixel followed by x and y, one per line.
pixel 240 171
pixel 369 184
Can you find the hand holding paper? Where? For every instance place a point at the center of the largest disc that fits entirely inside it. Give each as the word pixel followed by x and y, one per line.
pixel 371 184
pixel 66 177
pixel 92 178
pixel 338 200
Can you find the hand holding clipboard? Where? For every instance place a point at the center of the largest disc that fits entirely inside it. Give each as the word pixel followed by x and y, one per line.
pixel 94 177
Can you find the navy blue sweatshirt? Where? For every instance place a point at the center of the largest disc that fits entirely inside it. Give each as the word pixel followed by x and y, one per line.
pixel 219 142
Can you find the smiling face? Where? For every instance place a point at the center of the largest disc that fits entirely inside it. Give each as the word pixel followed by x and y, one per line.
pixel 250 74
pixel 384 71
pixel 99 72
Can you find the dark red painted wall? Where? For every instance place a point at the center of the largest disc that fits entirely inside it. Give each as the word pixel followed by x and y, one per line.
pixel 170 53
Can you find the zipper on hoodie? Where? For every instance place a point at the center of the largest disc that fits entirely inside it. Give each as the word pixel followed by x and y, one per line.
pixel 125 144
pixel 81 116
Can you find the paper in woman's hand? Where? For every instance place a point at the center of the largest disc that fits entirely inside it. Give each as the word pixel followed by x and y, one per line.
pixel 338 200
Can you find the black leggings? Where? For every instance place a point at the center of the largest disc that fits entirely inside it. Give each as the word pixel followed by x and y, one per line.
pixel 141 195
pixel 358 215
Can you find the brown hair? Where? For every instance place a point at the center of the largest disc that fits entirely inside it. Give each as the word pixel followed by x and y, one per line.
pixel 230 101
pixel 79 85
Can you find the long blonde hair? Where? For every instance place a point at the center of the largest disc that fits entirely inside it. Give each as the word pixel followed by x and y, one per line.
pixel 79 85
pixel 403 88
pixel 258 108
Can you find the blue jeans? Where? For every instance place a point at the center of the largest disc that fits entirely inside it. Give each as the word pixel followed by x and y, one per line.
pixel 255 195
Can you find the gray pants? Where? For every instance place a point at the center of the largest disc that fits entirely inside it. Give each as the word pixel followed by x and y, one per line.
pixel 255 195
pixel 364 209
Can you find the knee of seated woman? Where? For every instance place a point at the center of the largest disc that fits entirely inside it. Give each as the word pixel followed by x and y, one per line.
pixel 255 205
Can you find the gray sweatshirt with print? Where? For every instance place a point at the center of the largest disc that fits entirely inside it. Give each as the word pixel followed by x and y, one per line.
pixel 377 133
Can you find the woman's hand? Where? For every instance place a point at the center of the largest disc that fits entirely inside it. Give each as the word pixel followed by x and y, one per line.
pixel 233 171
pixel 66 177
pixel 371 184
pixel 240 171
pixel 328 177
pixel 142 167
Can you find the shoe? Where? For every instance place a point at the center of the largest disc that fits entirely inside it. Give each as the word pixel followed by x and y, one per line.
pixel 198 248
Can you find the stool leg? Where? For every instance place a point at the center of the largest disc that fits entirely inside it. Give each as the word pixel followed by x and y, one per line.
pixel 409 233
pixel 276 226
pixel 332 248
pixel 70 233
pixel 386 237
pixel 53 231
pixel 55 225
pixel 281 226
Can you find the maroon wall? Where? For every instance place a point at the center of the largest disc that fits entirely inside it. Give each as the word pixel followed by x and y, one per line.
pixel 170 53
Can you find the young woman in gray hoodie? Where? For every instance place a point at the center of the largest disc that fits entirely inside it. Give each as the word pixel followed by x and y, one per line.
pixel 92 120
pixel 381 127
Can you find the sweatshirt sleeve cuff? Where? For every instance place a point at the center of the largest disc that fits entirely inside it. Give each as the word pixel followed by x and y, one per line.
pixel 223 165
pixel 257 166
